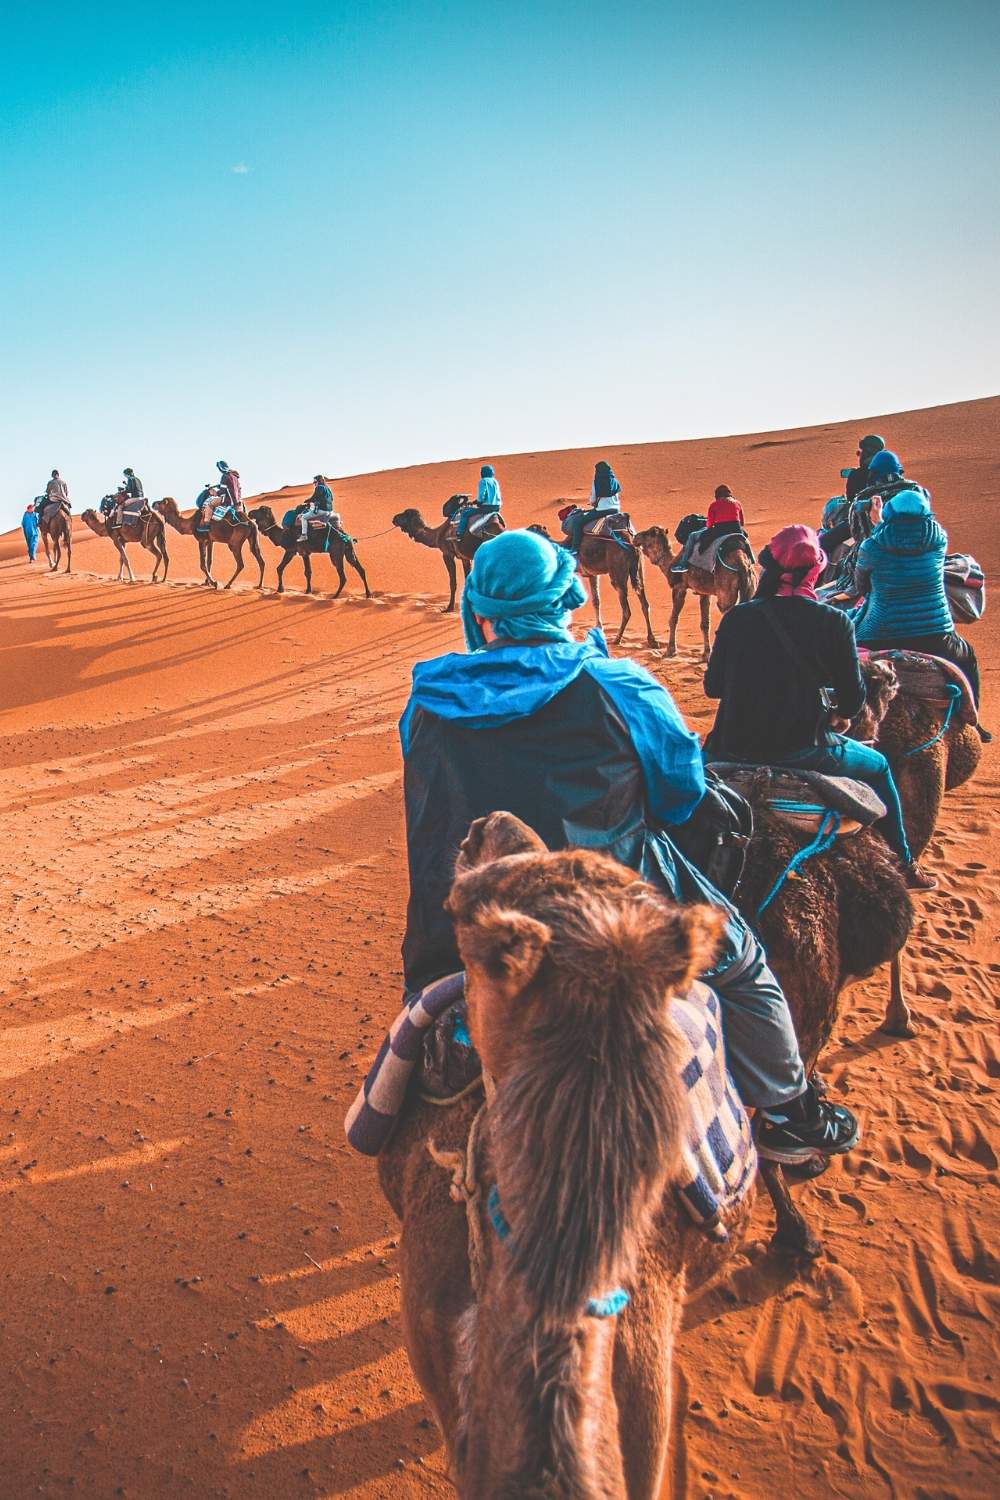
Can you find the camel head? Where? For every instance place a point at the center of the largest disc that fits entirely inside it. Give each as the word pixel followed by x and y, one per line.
pixel 654 544
pixel 167 506
pixel 570 959
pixel 540 530
pixel 90 518
pixel 264 516
pixel 881 686
pixel 409 522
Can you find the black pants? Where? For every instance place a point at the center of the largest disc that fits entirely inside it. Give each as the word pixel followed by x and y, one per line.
pixel 952 647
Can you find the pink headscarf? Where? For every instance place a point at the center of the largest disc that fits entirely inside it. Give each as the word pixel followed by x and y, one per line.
pixel 795 548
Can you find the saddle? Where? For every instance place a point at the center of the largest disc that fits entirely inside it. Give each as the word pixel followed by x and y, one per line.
pixel 612 525
pixel 226 513
pixel 707 558
pixel 928 678
pixel 805 798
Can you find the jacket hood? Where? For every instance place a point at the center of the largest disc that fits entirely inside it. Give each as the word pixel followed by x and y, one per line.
pixel 909 535
pixel 495 686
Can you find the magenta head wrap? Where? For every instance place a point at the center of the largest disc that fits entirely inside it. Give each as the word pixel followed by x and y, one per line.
pixel 797 553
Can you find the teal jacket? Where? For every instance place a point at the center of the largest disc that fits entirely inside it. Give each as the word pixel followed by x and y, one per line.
pixel 901 566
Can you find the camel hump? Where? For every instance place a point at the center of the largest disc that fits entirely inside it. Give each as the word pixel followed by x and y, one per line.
pixel 929 679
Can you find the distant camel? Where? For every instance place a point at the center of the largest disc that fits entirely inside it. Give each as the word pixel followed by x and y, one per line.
pixel 289 539
pixel 599 555
pixel 232 536
pixel 412 524
pixel 731 581
pixel 147 530
pixel 56 527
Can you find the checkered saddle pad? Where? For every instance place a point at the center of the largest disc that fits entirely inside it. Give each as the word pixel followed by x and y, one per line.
pixel 719 1160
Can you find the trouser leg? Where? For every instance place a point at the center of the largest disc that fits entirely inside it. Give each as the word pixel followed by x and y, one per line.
pixel 762 1051
pixel 849 758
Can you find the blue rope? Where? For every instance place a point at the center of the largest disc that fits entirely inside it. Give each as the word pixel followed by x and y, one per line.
pixel 608 1306
pixel 825 836
pixel 954 695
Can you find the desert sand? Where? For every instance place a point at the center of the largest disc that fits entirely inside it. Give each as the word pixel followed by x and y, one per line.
pixel 203 893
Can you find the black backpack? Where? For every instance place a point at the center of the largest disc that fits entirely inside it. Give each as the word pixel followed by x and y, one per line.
pixel 717 835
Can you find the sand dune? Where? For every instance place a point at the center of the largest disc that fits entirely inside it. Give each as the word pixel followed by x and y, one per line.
pixel 203 895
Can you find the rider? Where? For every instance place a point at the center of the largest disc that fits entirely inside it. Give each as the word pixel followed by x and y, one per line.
pixel 857 479
pixel 230 483
pixel 725 518
pixel 130 489
pixel 588 751
pixel 773 660
pixel 900 568
pixel 488 502
pixel 57 491
pixel 319 506
pixel 605 495
pixel 886 478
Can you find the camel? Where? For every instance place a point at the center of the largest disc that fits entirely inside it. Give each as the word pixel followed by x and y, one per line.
pixel 731 581
pixel 56 526
pixel 289 539
pixel 599 556
pixel 569 961
pixel 147 530
pixel 232 536
pixel 412 524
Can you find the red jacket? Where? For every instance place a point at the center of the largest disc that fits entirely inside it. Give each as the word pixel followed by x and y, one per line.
pixel 230 482
pixel 726 509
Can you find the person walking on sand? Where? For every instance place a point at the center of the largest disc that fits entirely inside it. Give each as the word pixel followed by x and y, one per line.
pixel 29 525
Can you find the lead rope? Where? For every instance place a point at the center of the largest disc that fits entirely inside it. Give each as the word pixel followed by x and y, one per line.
pixel 954 696
pixel 465 1185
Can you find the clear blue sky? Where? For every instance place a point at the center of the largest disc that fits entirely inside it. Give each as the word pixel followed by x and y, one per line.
pixel 344 237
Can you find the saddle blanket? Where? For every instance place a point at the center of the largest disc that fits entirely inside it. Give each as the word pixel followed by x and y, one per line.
pixel 965 585
pixel 225 513
pixel 706 558
pixel 924 676
pixel 795 792
pixel 719 1158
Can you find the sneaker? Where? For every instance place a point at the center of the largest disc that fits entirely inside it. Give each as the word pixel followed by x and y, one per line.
pixel 827 1128
pixel 917 879
pixel 984 735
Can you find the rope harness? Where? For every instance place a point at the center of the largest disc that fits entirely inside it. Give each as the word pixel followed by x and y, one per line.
pixel 954 698
pixel 825 835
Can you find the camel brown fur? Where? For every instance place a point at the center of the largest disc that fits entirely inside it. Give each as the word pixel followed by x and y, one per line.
pixel 570 959
pixel 148 530
pixel 56 527
pixel 412 524
pixel 732 580
pixel 847 911
pixel 900 724
pixel 598 556
pixel 235 537
pixel 289 539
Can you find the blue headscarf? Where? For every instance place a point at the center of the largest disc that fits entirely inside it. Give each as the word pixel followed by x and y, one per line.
pixel 605 483
pixel 885 465
pixel 525 586
pixel 907 503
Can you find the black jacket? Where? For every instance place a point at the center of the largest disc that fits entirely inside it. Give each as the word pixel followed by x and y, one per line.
pixel 771 705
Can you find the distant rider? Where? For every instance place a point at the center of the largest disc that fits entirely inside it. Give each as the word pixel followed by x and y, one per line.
pixel 318 507
pixel 230 483
pixel 57 491
pixel 858 478
pixel 488 501
pixel 725 518
pixel 605 495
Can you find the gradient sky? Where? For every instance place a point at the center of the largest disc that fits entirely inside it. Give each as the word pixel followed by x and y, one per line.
pixel 352 236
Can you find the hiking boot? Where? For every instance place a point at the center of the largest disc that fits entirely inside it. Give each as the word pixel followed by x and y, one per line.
pixel 917 879
pixel 794 1132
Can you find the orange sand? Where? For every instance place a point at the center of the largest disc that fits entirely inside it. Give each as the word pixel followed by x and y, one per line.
pixel 204 891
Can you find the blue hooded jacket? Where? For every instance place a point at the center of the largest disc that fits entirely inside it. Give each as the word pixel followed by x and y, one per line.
pixel 902 567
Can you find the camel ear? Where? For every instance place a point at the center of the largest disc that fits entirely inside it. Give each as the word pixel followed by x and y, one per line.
pixel 687 943
pixel 506 945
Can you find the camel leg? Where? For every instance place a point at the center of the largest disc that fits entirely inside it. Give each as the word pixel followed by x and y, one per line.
pixel 286 559
pixel 449 563
pixel 621 589
pixel 352 558
pixel 706 605
pixel 898 1018
pixel 338 564
pixel 651 640
pixel 205 558
pixel 642 1379
pixel 307 569
pixel 45 544
pixel 69 547
pixel 792 1234
pixel 258 557
pixel 238 555
pixel 678 594
pixel 595 594
pixel 124 563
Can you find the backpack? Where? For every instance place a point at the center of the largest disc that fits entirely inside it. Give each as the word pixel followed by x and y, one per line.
pixel 717 835
pixel 965 585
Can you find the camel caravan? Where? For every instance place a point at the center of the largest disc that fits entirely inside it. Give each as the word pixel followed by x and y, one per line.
pixel 624 955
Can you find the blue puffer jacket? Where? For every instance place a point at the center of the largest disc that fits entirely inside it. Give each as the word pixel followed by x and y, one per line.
pixel 904 563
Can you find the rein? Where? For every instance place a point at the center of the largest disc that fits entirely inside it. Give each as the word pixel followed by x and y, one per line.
pixel 825 835
pixel 954 697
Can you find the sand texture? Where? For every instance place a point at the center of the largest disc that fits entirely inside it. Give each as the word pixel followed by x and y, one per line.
pixel 203 891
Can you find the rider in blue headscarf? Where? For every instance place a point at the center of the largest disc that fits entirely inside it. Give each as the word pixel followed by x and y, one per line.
pixel 488 501
pixel 590 752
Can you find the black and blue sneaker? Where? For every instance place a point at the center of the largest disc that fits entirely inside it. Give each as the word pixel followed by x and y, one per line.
pixel 792 1133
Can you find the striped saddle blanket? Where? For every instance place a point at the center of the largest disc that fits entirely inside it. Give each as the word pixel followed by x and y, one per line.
pixel 719 1159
